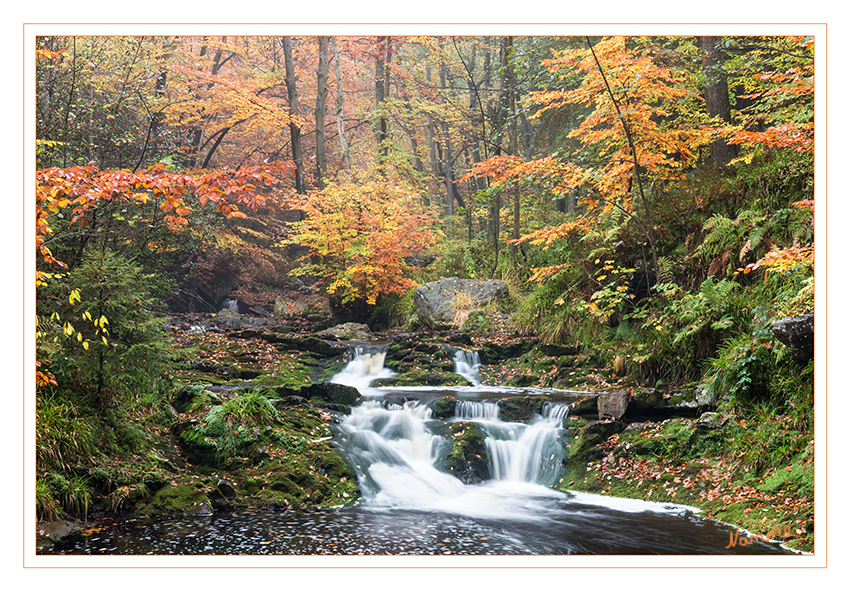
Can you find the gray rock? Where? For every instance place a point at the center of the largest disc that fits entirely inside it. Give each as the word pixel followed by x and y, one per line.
pixel 797 333
pixel 347 331
pixel 708 421
pixel 613 406
pixel 435 302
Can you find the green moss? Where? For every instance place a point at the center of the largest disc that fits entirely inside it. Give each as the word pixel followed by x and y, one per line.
pixel 795 478
pixel 423 378
pixel 519 409
pixel 182 498
pixel 444 408
pixel 468 458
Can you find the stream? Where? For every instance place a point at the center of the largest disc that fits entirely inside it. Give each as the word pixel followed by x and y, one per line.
pixel 411 505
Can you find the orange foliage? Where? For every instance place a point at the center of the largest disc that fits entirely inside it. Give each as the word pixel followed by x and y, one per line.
pixel 649 96
pixel 82 188
pixel 358 234
pixel 784 103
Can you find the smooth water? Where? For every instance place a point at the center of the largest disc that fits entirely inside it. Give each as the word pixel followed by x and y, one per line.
pixel 579 524
pixel 411 505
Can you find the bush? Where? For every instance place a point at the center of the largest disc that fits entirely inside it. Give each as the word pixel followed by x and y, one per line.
pixel 109 345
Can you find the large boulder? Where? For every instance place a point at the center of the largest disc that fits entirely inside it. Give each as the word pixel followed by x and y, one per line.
pixel 437 303
pixel 797 333
pixel 348 331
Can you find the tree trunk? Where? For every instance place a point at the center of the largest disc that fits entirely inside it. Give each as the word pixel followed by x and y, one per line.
pixel 340 124
pixel 198 132
pixel 382 90
pixel 294 129
pixel 432 151
pixel 321 98
pixel 503 108
pixel 447 151
pixel 512 90
pixel 717 95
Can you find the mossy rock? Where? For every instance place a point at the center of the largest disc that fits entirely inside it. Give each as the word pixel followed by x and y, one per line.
pixel 444 408
pixel 201 451
pixel 190 398
pixel 331 393
pixel 519 409
pixel 181 499
pixel 332 465
pixel 468 459
pixel 586 406
pixel 583 448
pixel 423 378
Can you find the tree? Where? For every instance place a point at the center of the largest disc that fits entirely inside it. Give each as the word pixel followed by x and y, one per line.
pixel 321 98
pixel 383 53
pixel 294 127
pixel 777 75
pixel 358 233
pixel 75 196
pixel 346 154
pixel 717 96
pixel 640 123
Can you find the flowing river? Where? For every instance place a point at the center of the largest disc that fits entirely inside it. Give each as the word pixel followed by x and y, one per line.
pixel 411 505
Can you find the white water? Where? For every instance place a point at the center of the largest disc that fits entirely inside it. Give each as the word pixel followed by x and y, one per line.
pixel 366 366
pixel 396 451
pixel 520 452
pixel 467 364
pixel 231 305
pixel 396 454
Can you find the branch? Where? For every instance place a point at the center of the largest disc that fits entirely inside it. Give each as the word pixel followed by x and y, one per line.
pixel 634 153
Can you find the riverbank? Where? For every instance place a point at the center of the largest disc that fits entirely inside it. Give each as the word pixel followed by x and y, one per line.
pixel 691 462
pixel 253 428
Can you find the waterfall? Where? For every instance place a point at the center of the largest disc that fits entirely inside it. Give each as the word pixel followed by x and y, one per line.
pixel 525 453
pixel 555 410
pixel 231 304
pixel 474 410
pixel 366 366
pixel 396 454
pixel 467 364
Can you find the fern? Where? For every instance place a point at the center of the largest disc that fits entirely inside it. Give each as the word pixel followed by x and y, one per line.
pixel 717 293
pixel 665 269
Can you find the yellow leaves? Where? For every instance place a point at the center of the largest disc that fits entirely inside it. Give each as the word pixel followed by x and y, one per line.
pixel 74 296
pixel 358 234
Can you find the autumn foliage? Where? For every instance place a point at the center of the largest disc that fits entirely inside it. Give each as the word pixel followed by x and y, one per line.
pixel 358 235
pixel 83 188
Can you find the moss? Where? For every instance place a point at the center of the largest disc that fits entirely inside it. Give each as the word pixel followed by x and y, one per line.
pixel 423 378
pixel 468 459
pixel 682 461
pixel 584 444
pixel 519 409
pixel 444 408
pixel 798 477
pixel 182 498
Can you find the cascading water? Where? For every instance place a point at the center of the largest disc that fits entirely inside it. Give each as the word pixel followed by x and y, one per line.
pixel 467 364
pixel 518 452
pixel 396 451
pixel 366 366
pixel 231 304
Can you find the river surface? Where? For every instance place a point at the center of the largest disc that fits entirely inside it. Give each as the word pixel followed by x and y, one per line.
pixel 411 505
